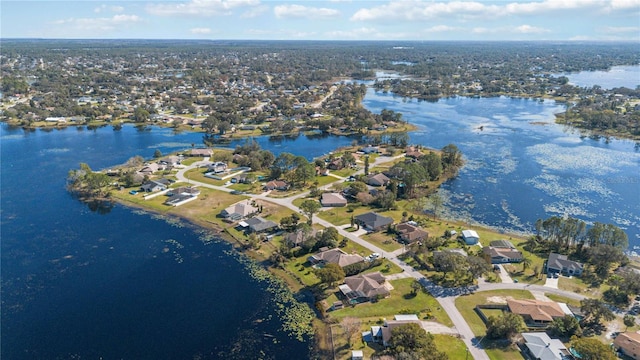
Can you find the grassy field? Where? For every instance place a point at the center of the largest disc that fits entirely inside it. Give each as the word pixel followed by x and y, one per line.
pixel 400 301
pixel 383 241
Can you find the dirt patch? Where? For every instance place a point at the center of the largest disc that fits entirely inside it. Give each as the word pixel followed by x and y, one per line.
pixel 498 299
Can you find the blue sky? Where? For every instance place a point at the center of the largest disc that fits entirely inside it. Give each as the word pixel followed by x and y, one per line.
pixel 608 20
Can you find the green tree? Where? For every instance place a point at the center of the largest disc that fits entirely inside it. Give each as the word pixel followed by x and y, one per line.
pixel 629 320
pixel 157 154
pixel 411 341
pixel 566 327
pixel 310 207
pixel 366 165
pixel 526 263
pixel 594 310
pixel 415 287
pixel 592 349
pixel 330 274
pixel 505 326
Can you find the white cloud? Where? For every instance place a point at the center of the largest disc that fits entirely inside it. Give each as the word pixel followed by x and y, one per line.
pixel 418 10
pixel 200 31
pixel 352 34
pixel 199 7
pixel 300 11
pixel 528 29
pixel 103 7
pixel 280 33
pixel 98 24
pixel 254 12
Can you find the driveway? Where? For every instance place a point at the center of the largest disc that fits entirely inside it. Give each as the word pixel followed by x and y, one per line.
pixel 551 282
pixel 504 275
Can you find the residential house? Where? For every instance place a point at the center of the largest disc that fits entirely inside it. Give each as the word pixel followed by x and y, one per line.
pixel 333 199
pixel 539 346
pixel 357 355
pixel 181 195
pixel 560 264
pixel 410 233
pixel 501 255
pixel 201 152
pixel 335 164
pixel 370 150
pixel 628 343
pixel 217 167
pixel 276 185
pixel 364 287
pixel 470 237
pixel 299 236
pixel 153 185
pixel 239 210
pixel 373 221
pixel 258 225
pixel 536 313
pixel 184 190
pixel 413 152
pixel 379 179
pixel 335 256
pixel 382 334
pixel 149 169
pixel 502 244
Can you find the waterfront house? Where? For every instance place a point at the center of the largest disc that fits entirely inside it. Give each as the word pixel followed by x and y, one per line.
pixel 364 287
pixel 412 152
pixel 470 237
pixel 560 264
pixel 334 256
pixel 336 164
pixel 217 167
pixel 153 185
pixel 410 233
pixel 502 244
pixel 501 255
pixel 201 152
pixel 258 225
pixel 372 221
pixel 628 343
pixel 539 346
pixel 299 236
pixel 333 200
pixel 382 334
pixel 370 150
pixel 149 169
pixel 379 179
pixel 536 313
pixel 181 195
pixel 239 210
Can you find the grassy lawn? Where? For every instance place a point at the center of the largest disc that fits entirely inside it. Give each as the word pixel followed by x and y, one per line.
pixel 562 299
pixel 346 172
pixel 383 241
pixel 400 301
pixel 324 180
pixel 452 346
pixel 191 160
pixel 198 175
pixel 466 305
pixel 341 215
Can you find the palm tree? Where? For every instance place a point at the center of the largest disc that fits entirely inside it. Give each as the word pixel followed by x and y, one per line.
pixel 526 262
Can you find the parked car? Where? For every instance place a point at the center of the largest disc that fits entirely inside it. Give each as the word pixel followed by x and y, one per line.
pixel 555 275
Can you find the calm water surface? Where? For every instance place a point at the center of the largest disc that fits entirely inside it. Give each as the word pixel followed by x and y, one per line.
pixel 521 166
pixel 123 284
pixel 618 76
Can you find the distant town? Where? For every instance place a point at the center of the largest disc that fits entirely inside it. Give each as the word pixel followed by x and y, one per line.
pixel 361 228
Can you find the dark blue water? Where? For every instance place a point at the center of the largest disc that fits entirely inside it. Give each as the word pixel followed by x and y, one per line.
pixel 521 166
pixel 123 284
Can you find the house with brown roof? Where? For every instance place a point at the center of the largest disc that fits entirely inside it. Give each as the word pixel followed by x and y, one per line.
pixel 239 210
pixel 536 313
pixel 276 185
pixel 364 287
pixel 379 179
pixel 628 343
pixel 412 152
pixel 333 200
pixel 335 256
pixel 335 164
pixel 201 152
pixel 410 233
pixel 299 236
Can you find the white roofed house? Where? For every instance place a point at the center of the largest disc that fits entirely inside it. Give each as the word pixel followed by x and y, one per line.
pixel 539 346
pixel 239 210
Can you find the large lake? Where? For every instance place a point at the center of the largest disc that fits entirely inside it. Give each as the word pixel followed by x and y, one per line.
pixel 618 76
pixel 122 285
pixel 521 166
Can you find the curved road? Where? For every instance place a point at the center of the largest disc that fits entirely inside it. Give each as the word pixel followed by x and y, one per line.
pixel 445 296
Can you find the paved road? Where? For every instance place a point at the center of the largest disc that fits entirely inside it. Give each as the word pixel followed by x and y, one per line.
pixel 445 296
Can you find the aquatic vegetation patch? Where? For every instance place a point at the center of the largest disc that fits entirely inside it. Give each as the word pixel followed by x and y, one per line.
pixel 296 316
pixel 585 159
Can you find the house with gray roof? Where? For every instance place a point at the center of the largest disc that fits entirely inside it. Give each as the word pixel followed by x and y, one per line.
pixel 259 225
pixel 379 179
pixel 560 264
pixel 335 256
pixel 502 255
pixel 539 346
pixel 364 287
pixel 239 210
pixel 333 200
pixel 373 221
